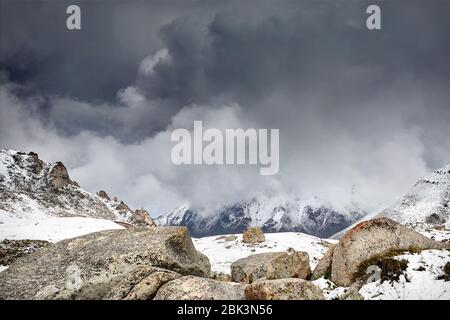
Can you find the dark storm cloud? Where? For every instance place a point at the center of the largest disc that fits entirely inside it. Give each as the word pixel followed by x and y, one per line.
pixel 354 107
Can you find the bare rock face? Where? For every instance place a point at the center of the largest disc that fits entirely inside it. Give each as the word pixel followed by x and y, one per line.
pixel 283 289
pixel 272 265
pixel 196 288
pixel 323 268
pixel 370 239
pixel 104 195
pixel 58 177
pixel 142 217
pixel 36 164
pixel 103 265
pixel 253 235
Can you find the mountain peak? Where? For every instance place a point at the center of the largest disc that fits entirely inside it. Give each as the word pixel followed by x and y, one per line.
pixel 32 188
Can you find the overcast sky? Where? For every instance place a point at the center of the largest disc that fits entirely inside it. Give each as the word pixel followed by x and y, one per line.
pixel 357 110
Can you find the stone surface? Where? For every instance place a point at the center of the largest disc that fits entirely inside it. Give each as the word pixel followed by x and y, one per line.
pixel 253 235
pixel 11 250
pixel 141 216
pixel 147 288
pixel 291 264
pixel 58 177
pixel 102 265
pixel 252 267
pixel 271 265
pixel 196 288
pixel 370 239
pixel 104 195
pixel 283 289
pixel 323 268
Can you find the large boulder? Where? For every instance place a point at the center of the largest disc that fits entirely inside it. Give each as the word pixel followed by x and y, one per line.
pixel 251 268
pixel 323 268
pixel 102 265
pixel 271 265
pixel 253 235
pixel 283 289
pixel 195 288
pixel 290 264
pixel 371 239
pixel 147 288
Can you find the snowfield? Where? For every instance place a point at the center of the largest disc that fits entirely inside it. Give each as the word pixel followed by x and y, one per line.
pixel 43 227
pixel 419 283
pixel 222 253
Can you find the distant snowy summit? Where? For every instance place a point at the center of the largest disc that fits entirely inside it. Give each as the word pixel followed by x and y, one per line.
pixel 272 214
pixel 427 202
pixel 30 188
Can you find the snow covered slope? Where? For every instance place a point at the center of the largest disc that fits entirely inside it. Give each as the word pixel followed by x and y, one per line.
pixel 272 214
pixel 421 281
pixel 222 253
pixel 427 202
pixel 40 201
pixel 426 205
pixel 423 278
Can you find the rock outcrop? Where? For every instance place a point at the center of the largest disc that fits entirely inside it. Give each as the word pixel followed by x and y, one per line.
pixel 104 195
pixel 370 239
pixel 142 217
pixel 27 185
pixel 253 235
pixel 196 288
pixel 111 264
pixel 272 265
pixel 58 177
pixel 283 289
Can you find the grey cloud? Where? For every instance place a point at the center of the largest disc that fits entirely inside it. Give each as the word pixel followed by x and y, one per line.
pixel 354 107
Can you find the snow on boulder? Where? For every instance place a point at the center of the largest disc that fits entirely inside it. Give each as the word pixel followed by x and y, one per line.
pixel 102 265
pixel 370 239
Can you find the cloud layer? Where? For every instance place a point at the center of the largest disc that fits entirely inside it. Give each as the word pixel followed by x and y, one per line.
pixel 361 114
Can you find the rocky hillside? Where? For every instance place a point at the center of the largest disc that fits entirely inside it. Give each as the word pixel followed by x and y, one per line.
pixel 427 202
pixel 272 214
pixel 31 190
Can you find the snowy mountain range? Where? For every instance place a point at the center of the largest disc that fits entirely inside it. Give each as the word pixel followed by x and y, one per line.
pixel 34 194
pixel 271 213
pixel 428 202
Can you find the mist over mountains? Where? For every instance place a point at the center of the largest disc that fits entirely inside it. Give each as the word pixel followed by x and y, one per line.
pixel 358 111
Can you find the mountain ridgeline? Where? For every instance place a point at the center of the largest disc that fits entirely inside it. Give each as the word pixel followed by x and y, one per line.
pixel 272 215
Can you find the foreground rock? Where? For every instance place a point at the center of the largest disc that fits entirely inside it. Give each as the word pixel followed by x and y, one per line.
pixel 371 239
pixel 283 289
pixel 103 265
pixel 253 235
pixel 271 265
pixel 195 288
pixel 147 288
pixel 323 268
pixel 11 250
